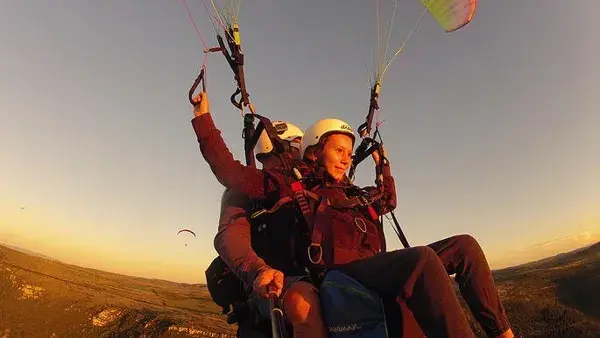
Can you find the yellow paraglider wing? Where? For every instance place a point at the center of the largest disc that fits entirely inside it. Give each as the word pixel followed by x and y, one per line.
pixel 451 14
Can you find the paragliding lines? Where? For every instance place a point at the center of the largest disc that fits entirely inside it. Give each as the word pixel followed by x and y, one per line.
pixel 401 49
pixel 193 22
pixel 383 63
pixel 387 44
pixel 201 78
pixel 451 15
pixel 227 18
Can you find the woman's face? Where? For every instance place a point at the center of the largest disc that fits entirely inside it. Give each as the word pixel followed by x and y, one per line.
pixel 336 155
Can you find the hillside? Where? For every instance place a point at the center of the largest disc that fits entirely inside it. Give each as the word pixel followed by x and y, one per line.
pixel 553 297
pixel 44 298
pixel 29 252
pixel 556 296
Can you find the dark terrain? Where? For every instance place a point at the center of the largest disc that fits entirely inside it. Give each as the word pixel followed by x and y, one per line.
pixel 554 297
pixel 557 296
pixel 45 298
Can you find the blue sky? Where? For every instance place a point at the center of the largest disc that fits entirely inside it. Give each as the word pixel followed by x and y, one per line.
pixel 491 130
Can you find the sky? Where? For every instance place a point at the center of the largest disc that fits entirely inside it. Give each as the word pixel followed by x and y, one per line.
pixel 491 130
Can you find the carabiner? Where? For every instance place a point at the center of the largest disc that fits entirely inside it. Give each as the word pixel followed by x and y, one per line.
pixel 237 104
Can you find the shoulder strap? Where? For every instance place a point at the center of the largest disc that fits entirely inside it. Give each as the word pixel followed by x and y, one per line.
pixel 251 135
pixel 317 219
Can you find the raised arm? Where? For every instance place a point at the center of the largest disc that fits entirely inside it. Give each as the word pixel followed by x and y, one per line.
pixel 250 181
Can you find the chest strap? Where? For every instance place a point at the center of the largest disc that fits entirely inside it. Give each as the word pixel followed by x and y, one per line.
pixel 365 200
pixel 282 202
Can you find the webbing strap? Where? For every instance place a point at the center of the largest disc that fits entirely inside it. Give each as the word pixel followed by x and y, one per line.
pixel 315 223
pixel 273 209
pixel 366 200
pixel 316 254
pixel 365 128
pixel 251 136
pixel 248 135
pixel 300 198
pixel 373 213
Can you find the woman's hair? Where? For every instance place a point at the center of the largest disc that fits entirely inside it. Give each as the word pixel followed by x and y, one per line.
pixel 313 153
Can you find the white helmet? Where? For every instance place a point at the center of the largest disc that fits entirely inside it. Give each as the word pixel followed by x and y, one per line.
pixel 324 127
pixel 285 130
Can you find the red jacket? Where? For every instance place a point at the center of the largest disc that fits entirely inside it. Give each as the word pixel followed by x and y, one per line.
pixel 233 241
pixel 351 235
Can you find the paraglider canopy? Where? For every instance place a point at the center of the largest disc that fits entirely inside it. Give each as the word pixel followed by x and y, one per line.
pixel 186 231
pixel 451 14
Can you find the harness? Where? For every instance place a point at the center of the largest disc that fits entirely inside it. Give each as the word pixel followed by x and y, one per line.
pixel 315 211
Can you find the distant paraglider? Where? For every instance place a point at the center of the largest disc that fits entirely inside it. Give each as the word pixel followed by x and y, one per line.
pixel 186 230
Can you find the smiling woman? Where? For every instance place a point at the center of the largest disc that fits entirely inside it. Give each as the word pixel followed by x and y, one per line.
pixel 491 135
pixel 329 143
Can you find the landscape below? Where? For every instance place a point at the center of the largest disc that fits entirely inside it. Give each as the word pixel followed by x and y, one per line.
pixel 40 297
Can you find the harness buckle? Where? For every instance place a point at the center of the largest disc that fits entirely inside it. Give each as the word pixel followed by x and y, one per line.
pixel 258 213
pixel 319 251
pixel 366 199
pixel 360 224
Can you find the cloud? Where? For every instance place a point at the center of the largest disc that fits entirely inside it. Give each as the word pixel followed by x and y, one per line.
pixel 545 249
pixel 583 237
